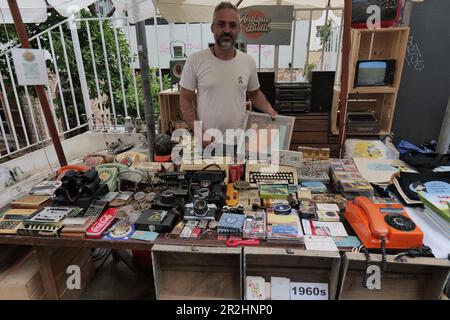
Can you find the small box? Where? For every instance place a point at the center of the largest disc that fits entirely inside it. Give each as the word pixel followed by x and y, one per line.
pixel 160 221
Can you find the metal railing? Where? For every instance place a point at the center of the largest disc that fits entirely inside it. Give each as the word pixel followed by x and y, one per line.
pixel 90 72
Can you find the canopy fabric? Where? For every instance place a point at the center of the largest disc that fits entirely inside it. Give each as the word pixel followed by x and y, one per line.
pixel 32 11
pixel 137 10
pixel 202 10
pixel 67 8
pixel 35 11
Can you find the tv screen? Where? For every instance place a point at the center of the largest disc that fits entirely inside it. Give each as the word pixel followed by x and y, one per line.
pixel 374 73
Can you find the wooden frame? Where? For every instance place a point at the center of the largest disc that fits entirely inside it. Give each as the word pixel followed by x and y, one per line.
pixel 298 265
pixel 416 278
pixel 257 121
pixel 189 272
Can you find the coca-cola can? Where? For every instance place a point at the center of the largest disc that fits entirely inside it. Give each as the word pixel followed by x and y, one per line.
pixel 234 172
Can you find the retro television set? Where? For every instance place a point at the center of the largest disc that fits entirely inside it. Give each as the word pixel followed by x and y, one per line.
pixel 373 73
pixel 390 12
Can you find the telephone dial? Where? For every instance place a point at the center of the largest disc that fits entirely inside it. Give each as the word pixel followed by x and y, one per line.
pixel 378 222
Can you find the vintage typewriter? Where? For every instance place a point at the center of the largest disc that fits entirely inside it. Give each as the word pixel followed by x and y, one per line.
pixel 255 174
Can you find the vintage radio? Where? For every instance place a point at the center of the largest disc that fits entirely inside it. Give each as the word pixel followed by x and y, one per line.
pixel 292 97
pixel 362 122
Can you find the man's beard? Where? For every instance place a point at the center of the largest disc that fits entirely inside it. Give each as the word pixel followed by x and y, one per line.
pixel 225 44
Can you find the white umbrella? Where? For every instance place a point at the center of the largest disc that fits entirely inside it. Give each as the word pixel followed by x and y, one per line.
pixel 35 11
pixel 202 10
pixel 32 11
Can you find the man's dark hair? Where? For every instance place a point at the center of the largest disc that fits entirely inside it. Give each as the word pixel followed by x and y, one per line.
pixel 224 5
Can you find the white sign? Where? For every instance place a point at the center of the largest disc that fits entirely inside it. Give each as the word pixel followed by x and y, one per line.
pixel 309 291
pixel 30 66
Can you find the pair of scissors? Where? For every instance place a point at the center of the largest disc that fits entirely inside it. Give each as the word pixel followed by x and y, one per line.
pixel 236 242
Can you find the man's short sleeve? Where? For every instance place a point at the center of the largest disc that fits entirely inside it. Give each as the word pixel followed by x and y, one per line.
pixel 188 76
pixel 253 82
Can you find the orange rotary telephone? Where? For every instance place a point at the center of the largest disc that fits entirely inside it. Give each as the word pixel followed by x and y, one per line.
pixel 375 223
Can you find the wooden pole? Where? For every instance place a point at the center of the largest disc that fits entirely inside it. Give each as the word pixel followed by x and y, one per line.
pixel 146 86
pixel 345 72
pixel 22 33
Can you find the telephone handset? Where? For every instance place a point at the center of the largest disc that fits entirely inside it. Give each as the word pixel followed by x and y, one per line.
pixel 382 224
pixel 118 166
pixel 376 222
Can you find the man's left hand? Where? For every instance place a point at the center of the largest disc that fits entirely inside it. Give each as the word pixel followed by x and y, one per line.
pixel 272 113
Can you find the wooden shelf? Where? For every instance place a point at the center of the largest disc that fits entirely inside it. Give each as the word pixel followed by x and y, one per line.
pixel 384 30
pixel 382 89
pixel 377 44
pixel 381 133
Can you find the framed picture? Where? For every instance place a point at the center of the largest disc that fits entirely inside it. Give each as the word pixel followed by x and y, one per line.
pixel 260 142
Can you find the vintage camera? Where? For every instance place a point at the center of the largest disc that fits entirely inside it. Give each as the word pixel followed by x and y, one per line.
pixel 167 200
pixel 208 185
pixel 200 209
pixel 176 182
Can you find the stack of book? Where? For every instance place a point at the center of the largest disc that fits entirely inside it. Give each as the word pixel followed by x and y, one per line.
pixel 314 171
pixel 284 227
pixel 76 227
pixel 437 211
pixel 348 180
pixel 409 184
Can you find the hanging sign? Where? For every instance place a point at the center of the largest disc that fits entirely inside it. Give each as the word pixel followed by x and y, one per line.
pixel 271 25
pixel 30 66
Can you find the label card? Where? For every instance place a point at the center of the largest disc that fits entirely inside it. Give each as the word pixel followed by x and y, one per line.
pixel 309 291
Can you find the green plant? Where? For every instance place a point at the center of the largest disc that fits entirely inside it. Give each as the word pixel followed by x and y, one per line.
pixel 308 68
pixel 126 59
pixel 325 32
pixel 155 88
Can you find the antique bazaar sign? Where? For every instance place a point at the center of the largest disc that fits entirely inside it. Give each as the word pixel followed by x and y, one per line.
pixel 269 25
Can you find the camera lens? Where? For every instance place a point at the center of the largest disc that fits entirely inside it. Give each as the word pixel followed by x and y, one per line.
pixel 200 207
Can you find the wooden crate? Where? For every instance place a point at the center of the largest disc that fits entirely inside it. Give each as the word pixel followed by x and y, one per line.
pixel 77 256
pixel 373 44
pixel 187 272
pixel 169 110
pixel 298 265
pixel 22 280
pixel 387 43
pixel 416 278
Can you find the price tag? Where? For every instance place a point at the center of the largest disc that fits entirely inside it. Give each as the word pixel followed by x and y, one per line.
pixel 309 291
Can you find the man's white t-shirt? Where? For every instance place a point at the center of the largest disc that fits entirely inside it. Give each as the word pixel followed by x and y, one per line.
pixel 221 87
